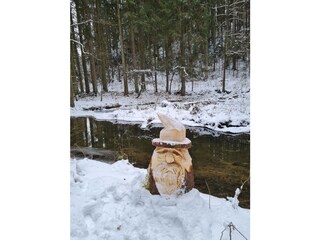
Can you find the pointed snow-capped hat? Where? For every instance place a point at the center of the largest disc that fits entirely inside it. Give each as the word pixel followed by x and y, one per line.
pixel 172 135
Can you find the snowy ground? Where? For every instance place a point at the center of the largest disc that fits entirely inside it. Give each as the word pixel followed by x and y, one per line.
pixel 204 106
pixel 110 202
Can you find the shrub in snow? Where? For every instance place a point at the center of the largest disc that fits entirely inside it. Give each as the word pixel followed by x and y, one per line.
pixel 234 200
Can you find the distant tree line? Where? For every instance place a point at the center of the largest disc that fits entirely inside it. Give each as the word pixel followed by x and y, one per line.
pixel 127 39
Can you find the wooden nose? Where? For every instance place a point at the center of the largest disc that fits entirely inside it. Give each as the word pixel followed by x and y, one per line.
pixel 169 158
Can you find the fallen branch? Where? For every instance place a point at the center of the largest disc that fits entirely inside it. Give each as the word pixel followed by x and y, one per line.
pixel 100 108
pixel 143 71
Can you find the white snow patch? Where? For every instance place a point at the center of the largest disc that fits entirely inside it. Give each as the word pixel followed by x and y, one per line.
pixel 110 202
pixel 159 141
pixel 203 106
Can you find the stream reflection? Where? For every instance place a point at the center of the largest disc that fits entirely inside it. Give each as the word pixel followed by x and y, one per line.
pixel 221 160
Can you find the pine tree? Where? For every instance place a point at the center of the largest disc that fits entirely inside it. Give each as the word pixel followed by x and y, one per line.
pixel 124 69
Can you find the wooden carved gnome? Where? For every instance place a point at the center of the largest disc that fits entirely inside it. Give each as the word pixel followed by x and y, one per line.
pixel 170 170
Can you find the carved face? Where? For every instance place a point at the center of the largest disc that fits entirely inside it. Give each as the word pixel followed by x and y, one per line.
pixel 169 166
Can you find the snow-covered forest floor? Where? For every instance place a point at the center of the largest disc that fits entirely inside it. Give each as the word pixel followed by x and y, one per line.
pixel 204 105
pixel 110 202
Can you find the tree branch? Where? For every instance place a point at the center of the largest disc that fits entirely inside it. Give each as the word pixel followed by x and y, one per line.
pixel 143 71
pixel 82 48
pixel 81 23
pixel 235 3
pixel 184 70
pixel 208 190
pixel 244 182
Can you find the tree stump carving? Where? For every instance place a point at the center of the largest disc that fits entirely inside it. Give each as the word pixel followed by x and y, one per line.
pixel 170 170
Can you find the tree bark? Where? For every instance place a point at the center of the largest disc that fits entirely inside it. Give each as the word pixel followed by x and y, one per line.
pixel 213 32
pixel 141 52
pixel 101 49
pixel 83 56
pixel 108 59
pixel 206 56
pixel 182 55
pixel 226 39
pixel 233 31
pixel 169 58
pixel 142 59
pixel 155 55
pixel 72 80
pixel 134 60
pixel 93 68
pixel 124 70
pixel 167 45
pixel 74 51
pixel 88 34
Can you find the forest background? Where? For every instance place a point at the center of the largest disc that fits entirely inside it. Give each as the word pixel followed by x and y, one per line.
pixel 127 40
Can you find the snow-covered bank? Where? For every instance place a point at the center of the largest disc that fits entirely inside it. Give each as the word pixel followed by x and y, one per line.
pixel 110 202
pixel 204 106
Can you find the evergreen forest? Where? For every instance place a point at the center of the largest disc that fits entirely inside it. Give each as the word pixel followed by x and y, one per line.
pixel 130 41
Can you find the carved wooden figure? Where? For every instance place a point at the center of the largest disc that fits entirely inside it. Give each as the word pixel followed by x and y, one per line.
pixel 170 170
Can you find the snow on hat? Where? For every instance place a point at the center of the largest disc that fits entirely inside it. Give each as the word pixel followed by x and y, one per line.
pixel 172 135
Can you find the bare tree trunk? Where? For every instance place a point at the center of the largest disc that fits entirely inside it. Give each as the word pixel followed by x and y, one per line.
pixel 72 80
pixel 214 33
pixel 83 56
pixel 74 51
pixel 182 55
pixel 224 72
pixel 134 60
pixel 141 52
pixel 91 50
pixel 226 33
pixel 80 72
pixel 142 59
pixel 93 68
pixel 124 70
pixel 233 31
pixel 206 60
pixel 110 58
pixel 71 93
pixel 155 55
pixel 213 26
pixel 206 54
pixel 85 73
pixel 118 67
pixel 167 62
pixel 191 60
pixel 101 49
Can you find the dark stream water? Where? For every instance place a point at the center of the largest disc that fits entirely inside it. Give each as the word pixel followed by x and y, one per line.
pixel 221 160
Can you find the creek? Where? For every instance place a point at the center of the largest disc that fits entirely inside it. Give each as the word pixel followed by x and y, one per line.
pixel 221 161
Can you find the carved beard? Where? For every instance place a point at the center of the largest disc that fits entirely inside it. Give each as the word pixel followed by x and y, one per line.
pixel 169 178
pixel 169 167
